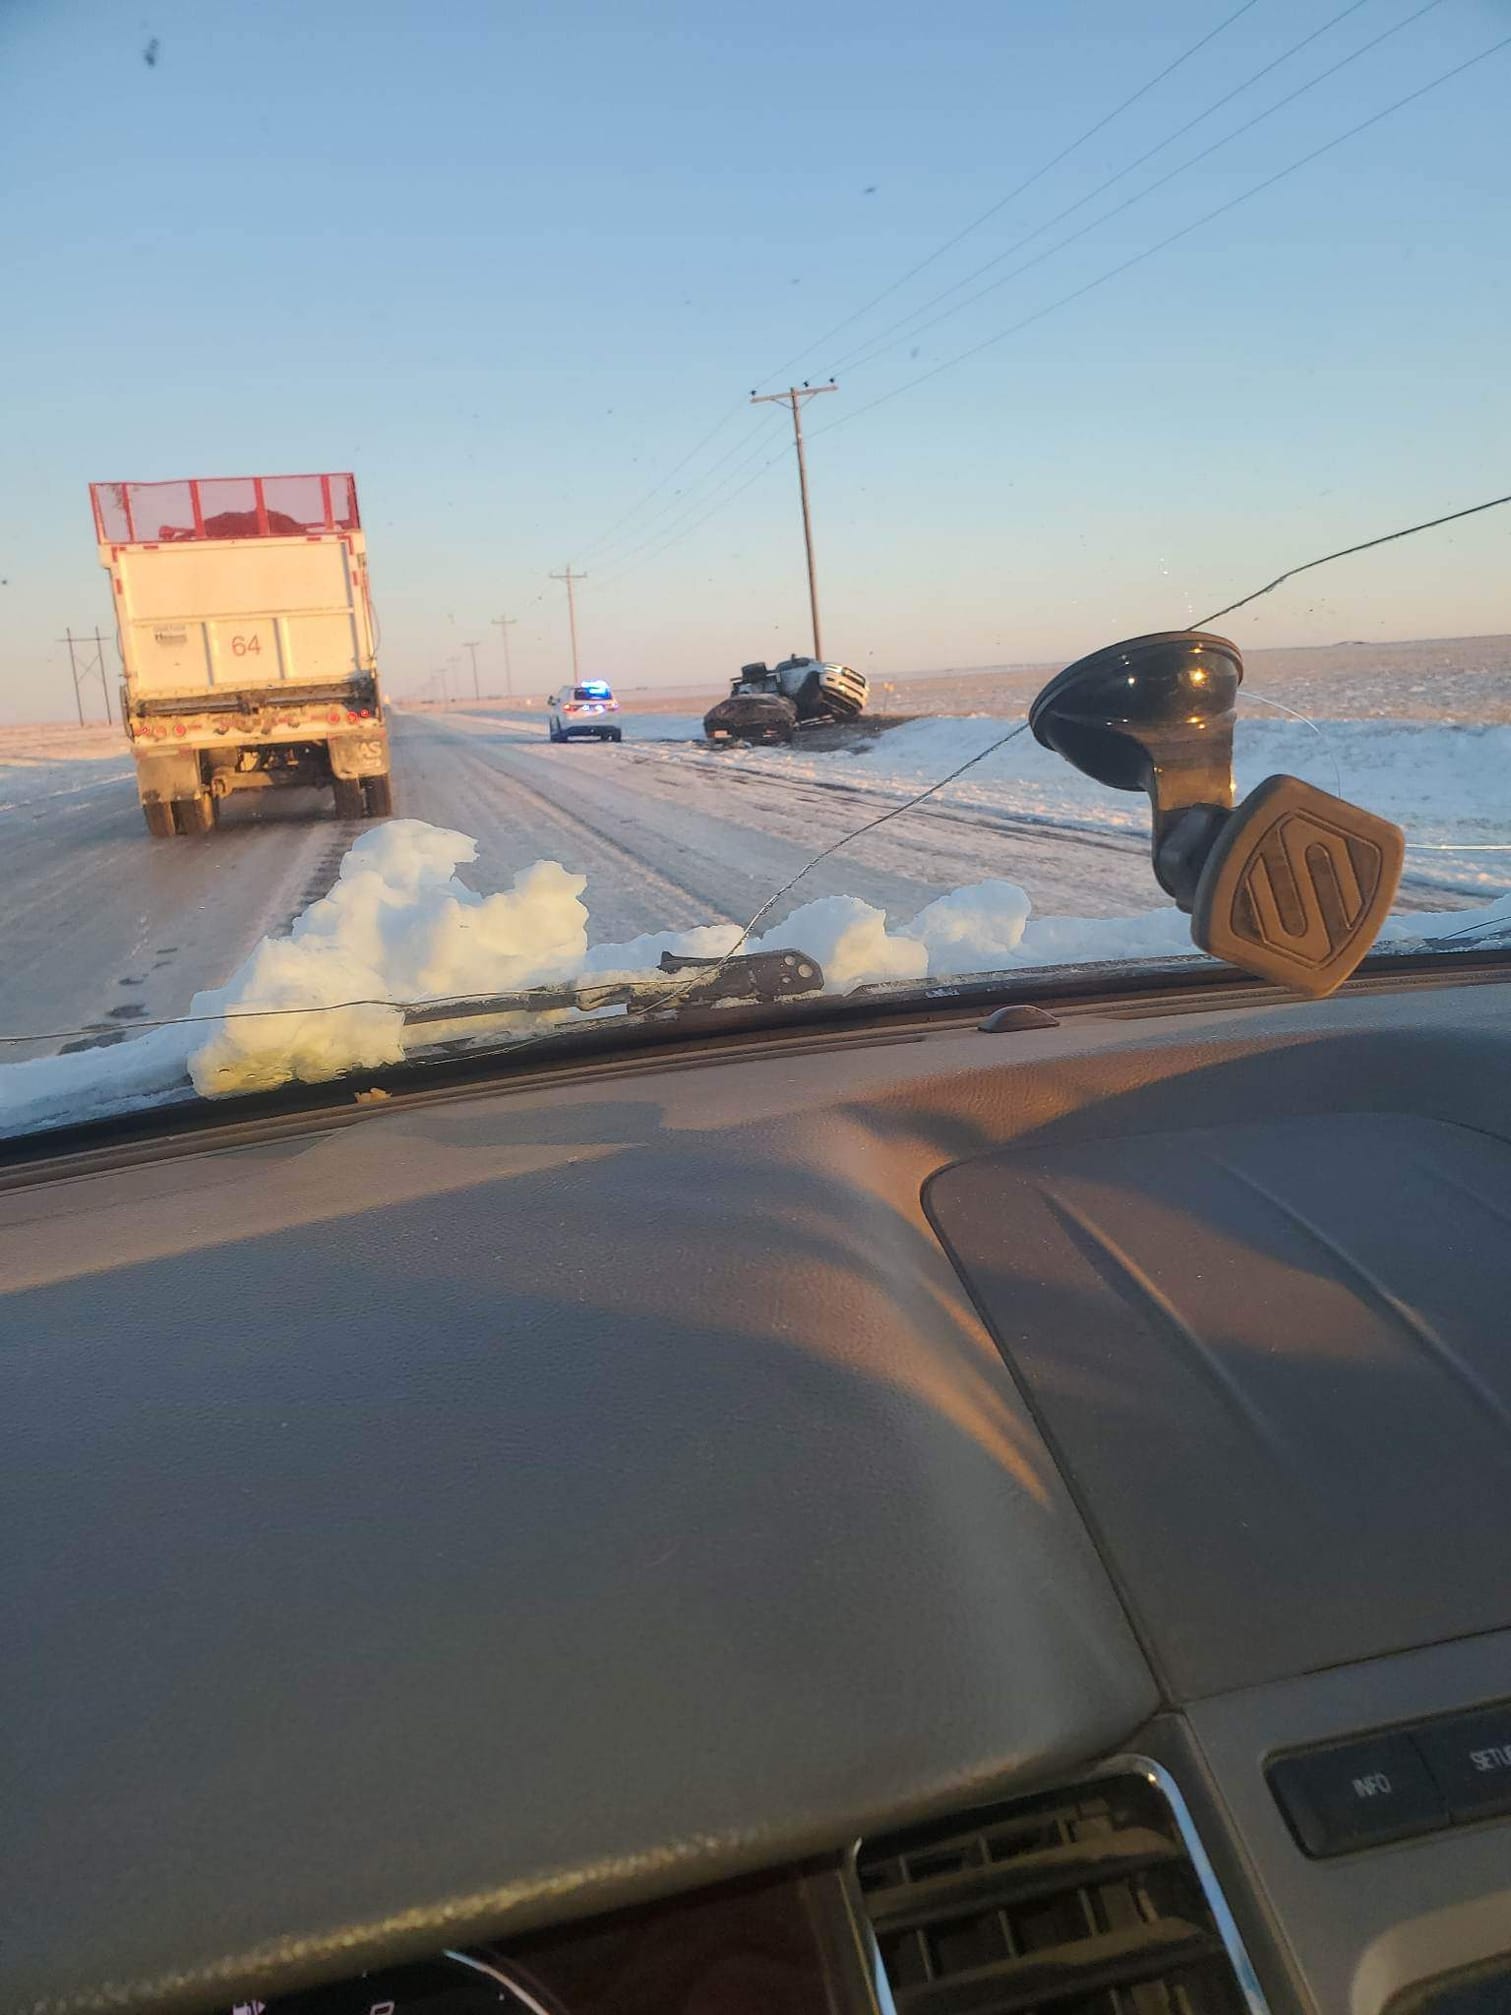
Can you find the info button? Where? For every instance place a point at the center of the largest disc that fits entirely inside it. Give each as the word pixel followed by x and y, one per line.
pixel 1359 1794
pixel 1470 1756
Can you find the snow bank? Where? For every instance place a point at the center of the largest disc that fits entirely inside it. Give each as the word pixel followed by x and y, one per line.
pixel 400 927
pixel 46 1091
pixel 851 942
pixel 1448 786
pixel 624 962
pixel 981 924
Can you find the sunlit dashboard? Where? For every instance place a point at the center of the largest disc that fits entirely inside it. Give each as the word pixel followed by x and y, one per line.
pixel 1100 1889
pixel 992 1520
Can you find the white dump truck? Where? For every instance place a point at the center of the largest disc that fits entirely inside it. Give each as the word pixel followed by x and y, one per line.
pixel 246 634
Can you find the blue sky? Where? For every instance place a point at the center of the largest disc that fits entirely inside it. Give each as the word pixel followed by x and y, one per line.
pixel 511 262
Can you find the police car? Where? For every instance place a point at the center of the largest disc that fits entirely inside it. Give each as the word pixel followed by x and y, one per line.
pixel 588 709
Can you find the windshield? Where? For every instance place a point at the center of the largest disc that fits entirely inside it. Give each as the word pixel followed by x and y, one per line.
pixel 530 509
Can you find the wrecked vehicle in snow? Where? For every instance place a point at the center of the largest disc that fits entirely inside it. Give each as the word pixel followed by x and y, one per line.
pixel 822 692
pixel 757 710
pixel 769 704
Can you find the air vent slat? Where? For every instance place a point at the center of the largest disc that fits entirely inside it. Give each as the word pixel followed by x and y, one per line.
pixel 1090 1966
pixel 1091 1900
pixel 1107 1858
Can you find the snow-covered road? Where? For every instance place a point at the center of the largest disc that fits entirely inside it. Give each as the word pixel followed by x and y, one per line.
pixel 103 929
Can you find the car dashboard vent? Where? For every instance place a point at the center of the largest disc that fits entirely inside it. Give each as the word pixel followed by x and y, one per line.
pixel 1093 1900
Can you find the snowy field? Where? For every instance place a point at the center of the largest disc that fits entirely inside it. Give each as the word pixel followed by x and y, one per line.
pixel 1447 786
pixel 56 761
pixel 1463 681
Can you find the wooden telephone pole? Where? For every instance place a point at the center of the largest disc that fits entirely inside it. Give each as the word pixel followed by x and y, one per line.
pixel 89 670
pixel 569 577
pixel 477 691
pixel 794 397
pixel 504 624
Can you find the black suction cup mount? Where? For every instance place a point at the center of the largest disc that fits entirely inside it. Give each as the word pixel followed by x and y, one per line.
pixel 1154 714
pixel 1293 884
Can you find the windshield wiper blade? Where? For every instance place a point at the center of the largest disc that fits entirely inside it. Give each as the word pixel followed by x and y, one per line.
pixel 1490 932
pixel 755 978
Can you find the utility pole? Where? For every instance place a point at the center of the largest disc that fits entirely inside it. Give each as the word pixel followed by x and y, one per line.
pixel 794 397
pixel 99 647
pixel 477 692
pixel 504 624
pixel 91 669
pixel 569 577
pixel 73 667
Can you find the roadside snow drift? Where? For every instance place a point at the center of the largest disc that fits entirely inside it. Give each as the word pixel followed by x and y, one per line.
pixel 399 927
pixel 1445 783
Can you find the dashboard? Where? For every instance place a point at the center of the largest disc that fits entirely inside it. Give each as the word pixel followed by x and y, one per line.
pixel 987 1521
pixel 767 1946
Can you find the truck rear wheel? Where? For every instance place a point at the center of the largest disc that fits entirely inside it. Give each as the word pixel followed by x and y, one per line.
pixel 349 803
pixel 196 814
pixel 159 816
pixel 378 794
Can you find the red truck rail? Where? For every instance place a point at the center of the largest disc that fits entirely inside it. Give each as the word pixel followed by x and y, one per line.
pixel 224 507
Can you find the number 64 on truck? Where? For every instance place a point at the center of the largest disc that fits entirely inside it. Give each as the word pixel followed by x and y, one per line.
pixel 247 640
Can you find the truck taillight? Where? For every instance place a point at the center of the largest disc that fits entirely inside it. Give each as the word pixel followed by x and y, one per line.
pixel 334 716
pixel 179 728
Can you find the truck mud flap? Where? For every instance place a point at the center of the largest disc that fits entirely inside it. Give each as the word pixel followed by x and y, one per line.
pixel 359 755
pixel 172 773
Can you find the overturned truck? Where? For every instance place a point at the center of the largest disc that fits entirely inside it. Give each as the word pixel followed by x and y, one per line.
pixel 769 703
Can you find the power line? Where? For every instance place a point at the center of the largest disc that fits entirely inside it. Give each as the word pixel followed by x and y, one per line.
pixel 1013 194
pixel 1347 552
pixel 873 346
pixel 1162 244
pixel 602 544
pixel 625 559
pixel 676 535
pixel 713 511
pixel 606 538
pixel 683 499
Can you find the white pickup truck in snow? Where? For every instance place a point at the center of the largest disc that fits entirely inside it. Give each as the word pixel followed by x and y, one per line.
pixel 247 638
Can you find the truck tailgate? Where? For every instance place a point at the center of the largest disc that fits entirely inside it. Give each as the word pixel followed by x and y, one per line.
pixel 241 614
